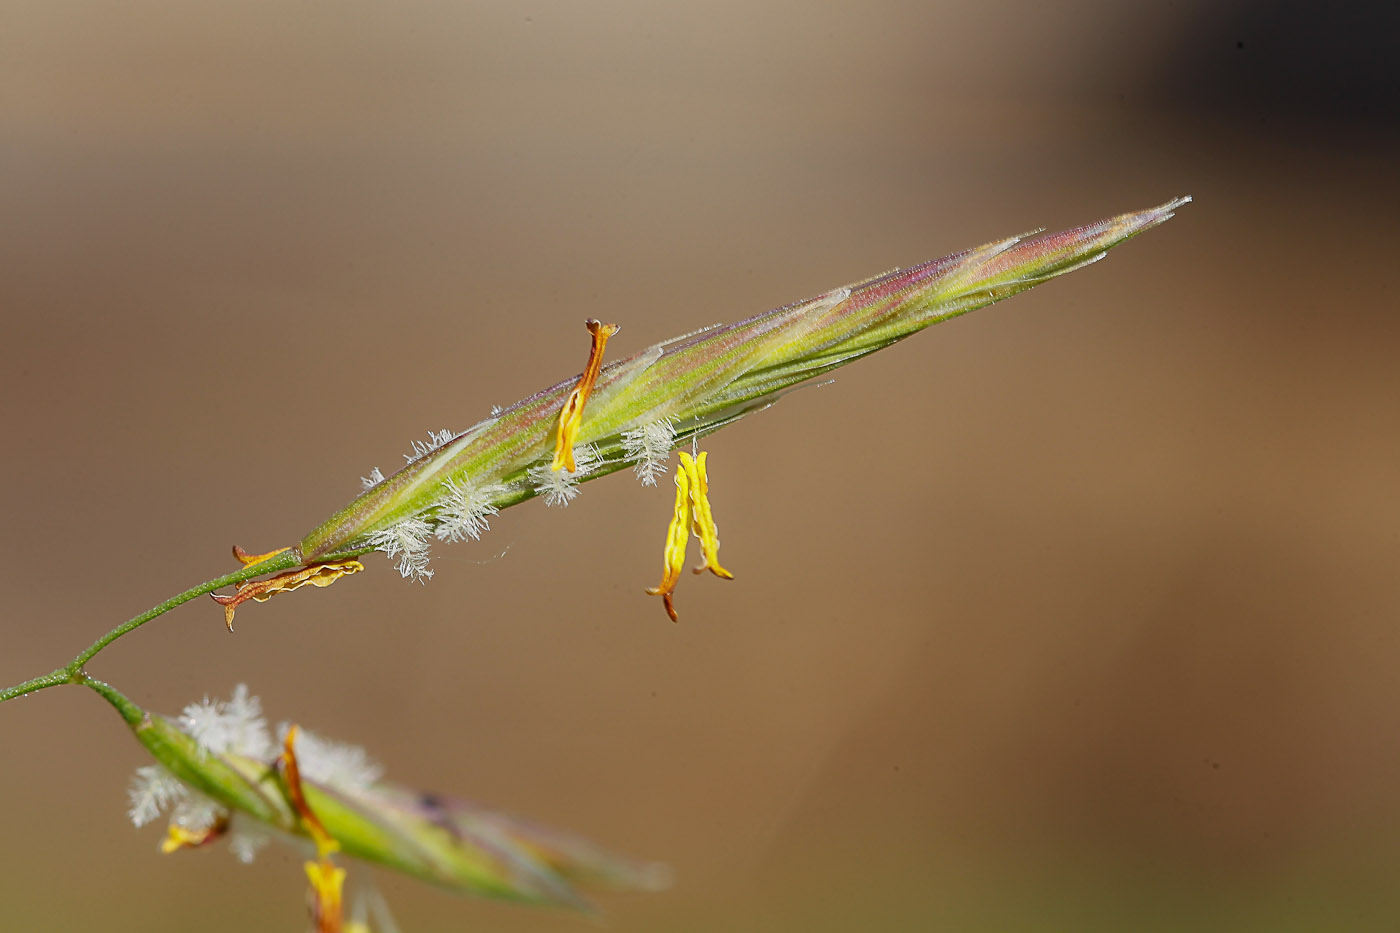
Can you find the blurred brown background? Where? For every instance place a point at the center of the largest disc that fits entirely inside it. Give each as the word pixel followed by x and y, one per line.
pixel 1080 613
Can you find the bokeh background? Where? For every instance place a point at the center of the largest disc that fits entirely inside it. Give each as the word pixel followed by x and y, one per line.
pixel 1080 613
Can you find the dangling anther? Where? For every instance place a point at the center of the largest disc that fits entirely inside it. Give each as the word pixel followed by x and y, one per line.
pixel 676 537
pixel 702 522
pixel 571 415
pixel 691 515
pixel 262 590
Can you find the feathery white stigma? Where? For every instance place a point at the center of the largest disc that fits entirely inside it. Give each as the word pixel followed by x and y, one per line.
pixel 197 813
pixel 374 479
pixel 435 441
pixel 464 510
pixel 246 839
pixel 339 765
pixel 650 445
pixel 406 541
pixel 235 726
pixel 558 487
pixel 151 791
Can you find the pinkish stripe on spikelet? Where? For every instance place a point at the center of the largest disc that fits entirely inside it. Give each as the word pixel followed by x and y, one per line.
pixel 702 381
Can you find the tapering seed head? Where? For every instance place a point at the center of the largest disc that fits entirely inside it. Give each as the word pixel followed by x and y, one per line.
pixel 216 777
pixel 647 404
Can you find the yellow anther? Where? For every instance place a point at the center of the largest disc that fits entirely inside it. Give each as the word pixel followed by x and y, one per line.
pixel 327 881
pixel 702 522
pixel 690 516
pixel 571 415
pixel 676 537
pixel 178 837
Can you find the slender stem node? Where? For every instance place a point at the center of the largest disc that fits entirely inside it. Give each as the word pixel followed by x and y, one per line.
pixel 74 672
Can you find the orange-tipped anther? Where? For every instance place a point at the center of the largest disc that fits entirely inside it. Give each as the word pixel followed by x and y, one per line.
pixel 262 590
pixel 571 415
